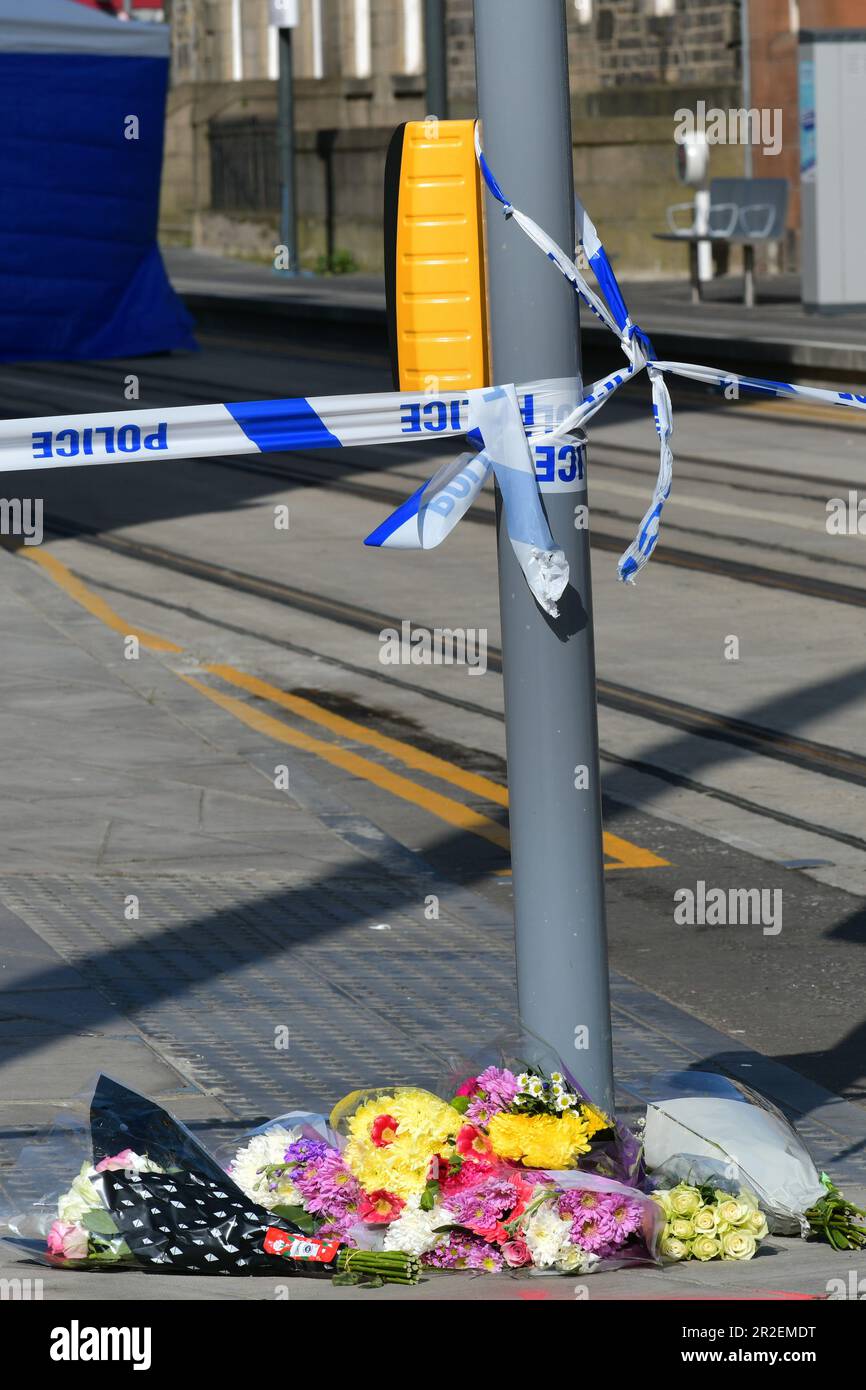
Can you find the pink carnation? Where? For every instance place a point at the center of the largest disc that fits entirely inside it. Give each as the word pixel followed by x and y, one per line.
pixel 471 1171
pixel 468 1088
pixel 471 1143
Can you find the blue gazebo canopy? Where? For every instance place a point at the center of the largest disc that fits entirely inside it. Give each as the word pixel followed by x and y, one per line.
pixel 82 108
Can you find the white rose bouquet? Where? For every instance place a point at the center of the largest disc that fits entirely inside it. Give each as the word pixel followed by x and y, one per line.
pixel 707 1223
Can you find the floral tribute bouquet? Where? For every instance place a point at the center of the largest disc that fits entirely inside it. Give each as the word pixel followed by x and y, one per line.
pixel 521 1097
pixel 83 1228
pixel 518 1219
pixel 528 1118
pixel 404 1172
pixel 153 1197
pixel 709 1131
pixel 709 1223
pixel 519 1171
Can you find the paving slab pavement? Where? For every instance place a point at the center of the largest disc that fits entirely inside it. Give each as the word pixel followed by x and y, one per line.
pixel 783 1271
pixel 259 910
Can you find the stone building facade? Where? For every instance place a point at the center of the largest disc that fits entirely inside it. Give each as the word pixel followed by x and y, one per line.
pixel 359 71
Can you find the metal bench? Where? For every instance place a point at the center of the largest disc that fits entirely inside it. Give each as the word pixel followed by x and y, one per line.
pixel 742 212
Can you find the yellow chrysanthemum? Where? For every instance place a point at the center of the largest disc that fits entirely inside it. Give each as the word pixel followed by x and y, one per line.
pixel 425 1125
pixel 540 1141
pixel 595 1118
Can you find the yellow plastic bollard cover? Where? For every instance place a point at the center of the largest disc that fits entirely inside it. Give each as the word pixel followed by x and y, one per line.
pixel 440 295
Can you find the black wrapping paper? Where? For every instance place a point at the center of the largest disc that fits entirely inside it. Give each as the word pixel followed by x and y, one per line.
pixel 191 1219
pixel 183 1222
pixel 122 1119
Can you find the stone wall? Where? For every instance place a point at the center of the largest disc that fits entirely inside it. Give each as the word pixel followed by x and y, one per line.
pixel 630 72
pixel 624 170
pixel 622 45
pixel 625 174
pixel 358 180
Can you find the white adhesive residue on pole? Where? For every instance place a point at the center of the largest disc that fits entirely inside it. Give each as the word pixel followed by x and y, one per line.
pixel 363 40
pixel 237 42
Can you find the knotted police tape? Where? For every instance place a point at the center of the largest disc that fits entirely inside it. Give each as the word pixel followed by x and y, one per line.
pixel 528 436
pixel 640 354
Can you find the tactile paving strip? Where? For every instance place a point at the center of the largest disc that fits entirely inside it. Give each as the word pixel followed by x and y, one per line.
pixel 218 969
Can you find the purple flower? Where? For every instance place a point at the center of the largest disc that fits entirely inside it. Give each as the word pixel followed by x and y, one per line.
pixel 484 1256
pixel 576 1201
pixel 600 1221
pixel 479 1111
pixel 327 1186
pixel 500 1085
pixel 452 1252
pixel 482 1206
pixel 341 1226
pixel 463 1252
pixel 498 1088
pixel 625 1215
pixel 307 1150
pixel 592 1232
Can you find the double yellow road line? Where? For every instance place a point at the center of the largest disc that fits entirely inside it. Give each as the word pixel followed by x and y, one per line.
pixel 619 853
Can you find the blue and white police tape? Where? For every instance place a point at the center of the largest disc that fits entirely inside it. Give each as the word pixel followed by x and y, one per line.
pixel 431 513
pixel 528 436
pixel 497 420
pixel 639 351
pixel 252 427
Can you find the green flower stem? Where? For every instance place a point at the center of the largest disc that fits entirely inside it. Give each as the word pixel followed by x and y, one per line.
pixel 836 1220
pixel 393 1266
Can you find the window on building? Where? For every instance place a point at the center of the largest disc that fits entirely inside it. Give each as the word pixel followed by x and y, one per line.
pixel 362 52
pixel 604 29
pixel 413 36
pixel 317 37
pixel 237 41
pixel 583 11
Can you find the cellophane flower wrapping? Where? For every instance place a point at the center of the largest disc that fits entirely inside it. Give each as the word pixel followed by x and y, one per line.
pixel 493 1216
pixel 531 1108
pixel 707 1129
pixel 394 1138
pixel 398 1168
pixel 705 1222
pixel 132 1186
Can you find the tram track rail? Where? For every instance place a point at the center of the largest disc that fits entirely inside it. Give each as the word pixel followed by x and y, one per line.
pixel 807 754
